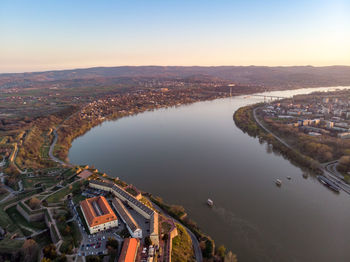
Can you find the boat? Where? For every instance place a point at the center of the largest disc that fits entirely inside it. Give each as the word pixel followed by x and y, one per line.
pixel 278 182
pixel 210 202
pixel 330 184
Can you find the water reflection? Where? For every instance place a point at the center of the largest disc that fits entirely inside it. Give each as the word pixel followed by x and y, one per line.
pixel 193 152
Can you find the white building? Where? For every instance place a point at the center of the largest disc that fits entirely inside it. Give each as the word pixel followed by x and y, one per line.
pixel 98 214
pixel 132 226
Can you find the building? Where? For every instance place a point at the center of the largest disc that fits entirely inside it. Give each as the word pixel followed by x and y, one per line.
pixel 344 135
pixel 85 174
pixel 98 214
pixel 139 207
pixel 129 250
pixel 132 226
pixel 330 124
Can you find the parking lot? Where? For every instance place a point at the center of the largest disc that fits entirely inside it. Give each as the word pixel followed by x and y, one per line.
pixel 94 244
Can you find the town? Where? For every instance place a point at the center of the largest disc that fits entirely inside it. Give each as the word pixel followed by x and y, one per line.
pixel 87 216
pixel 77 213
pixel 316 125
pixel 326 116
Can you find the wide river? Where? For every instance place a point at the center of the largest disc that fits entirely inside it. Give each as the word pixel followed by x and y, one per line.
pixel 192 152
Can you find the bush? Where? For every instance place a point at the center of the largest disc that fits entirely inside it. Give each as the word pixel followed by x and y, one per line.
pixel 113 243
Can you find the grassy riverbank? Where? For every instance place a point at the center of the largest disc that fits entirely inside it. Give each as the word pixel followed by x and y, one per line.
pixel 244 119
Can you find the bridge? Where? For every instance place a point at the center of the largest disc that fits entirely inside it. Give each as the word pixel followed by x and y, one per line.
pixel 271 97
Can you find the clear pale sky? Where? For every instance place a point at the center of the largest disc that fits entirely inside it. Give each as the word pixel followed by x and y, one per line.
pixel 59 34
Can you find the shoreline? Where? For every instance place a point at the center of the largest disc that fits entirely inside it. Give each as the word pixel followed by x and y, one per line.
pixel 287 151
pixel 112 117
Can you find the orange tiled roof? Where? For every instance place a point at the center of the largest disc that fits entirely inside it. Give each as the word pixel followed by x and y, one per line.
pixel 101 215
pixel 129 250
pixel 85 174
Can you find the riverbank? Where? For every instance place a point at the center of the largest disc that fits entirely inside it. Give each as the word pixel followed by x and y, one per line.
pixel 147 150
pixel 245 119
pixel 248 120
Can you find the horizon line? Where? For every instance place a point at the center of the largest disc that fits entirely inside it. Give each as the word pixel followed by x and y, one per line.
pixel 92 67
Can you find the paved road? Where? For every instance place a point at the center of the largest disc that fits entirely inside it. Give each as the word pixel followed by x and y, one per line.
pixel 268 131
pixel 52 146
pixel 14 161
pixel 329 169
pixel 195 243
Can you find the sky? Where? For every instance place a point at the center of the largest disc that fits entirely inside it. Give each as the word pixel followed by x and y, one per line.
pixel 60 34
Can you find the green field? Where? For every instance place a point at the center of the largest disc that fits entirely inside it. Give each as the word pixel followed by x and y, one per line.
pixel 30 182
pixel 60 194
pixel 8 245
pixel 19 220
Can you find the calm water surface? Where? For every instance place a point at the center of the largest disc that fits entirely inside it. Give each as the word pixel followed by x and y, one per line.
pixel 190 153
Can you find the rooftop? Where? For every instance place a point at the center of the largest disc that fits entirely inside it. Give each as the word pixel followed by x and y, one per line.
pixel 97 211
pixel 129 250
pixel 126 195
pixel 124 213
pixel 85 174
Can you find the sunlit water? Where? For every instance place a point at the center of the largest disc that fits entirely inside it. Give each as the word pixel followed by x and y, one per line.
pixel 190 153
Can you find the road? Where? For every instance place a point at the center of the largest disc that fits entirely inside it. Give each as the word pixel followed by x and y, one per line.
pixel 329 169
pixel 195 243
pixel 268 131
pixel 52 146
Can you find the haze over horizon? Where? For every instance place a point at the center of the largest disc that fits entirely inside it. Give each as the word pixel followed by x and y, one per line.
pixel 57 35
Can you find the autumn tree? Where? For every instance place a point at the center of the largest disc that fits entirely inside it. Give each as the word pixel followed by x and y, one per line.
pixel 30 250
pixel 34 203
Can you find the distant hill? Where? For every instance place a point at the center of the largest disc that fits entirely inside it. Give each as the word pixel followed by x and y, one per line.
pixel 282 77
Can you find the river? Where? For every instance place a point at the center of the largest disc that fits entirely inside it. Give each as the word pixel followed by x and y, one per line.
pixel 192 152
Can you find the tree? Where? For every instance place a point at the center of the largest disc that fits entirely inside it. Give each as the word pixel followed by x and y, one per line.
pixel 221 251
pixel 148 241
pixel 30 250
pixel 208 251
pixel 112 242
pixel 67 230
pixel 344 164
pixel 34 203
pixel 230 257
pixel 93 259
pixel 49 251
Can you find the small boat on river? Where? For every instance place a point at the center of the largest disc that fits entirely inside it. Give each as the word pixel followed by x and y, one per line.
pixel 210 202
pixel 278 182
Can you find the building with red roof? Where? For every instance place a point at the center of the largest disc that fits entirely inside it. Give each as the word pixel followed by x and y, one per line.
pixel 98 214
pixel 129 250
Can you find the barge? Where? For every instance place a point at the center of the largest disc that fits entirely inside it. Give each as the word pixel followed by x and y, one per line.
pixel 324 180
